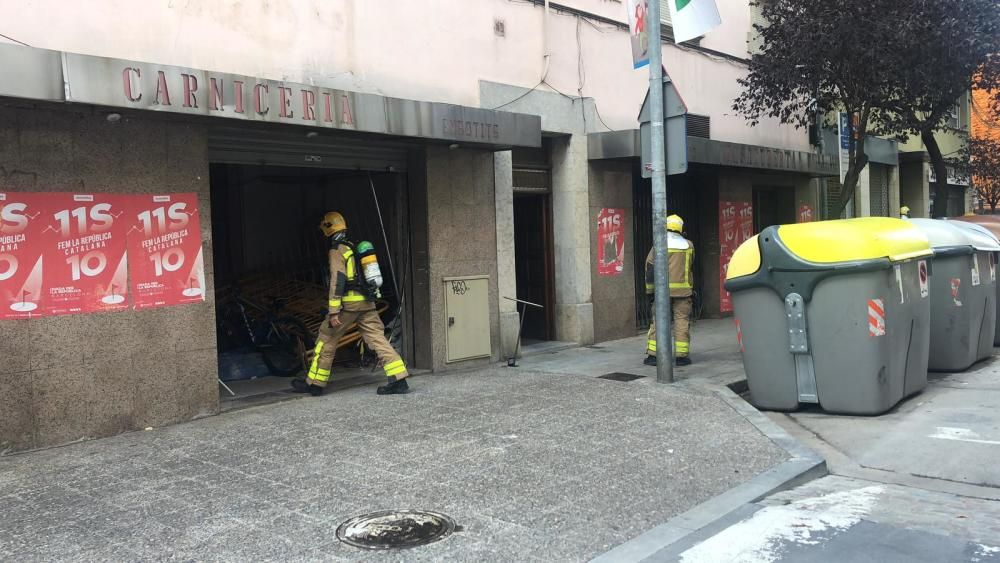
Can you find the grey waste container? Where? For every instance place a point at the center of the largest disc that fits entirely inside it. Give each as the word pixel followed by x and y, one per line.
pixel 990 224
pixel 962 293
pixel 834 313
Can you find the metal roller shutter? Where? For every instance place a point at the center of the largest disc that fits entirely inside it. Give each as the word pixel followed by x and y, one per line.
pixel 878 189
pixel 293 148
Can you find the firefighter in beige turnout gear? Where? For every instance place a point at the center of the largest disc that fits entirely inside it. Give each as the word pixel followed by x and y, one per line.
pixel 680 255
pixel 350 301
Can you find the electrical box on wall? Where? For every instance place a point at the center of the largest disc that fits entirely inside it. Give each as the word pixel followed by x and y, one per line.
pixel 467 314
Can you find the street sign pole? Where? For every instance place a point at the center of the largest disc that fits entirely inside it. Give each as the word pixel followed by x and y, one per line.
pixel 664 348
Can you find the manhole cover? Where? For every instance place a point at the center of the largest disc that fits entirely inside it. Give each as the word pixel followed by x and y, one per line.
pixel 618 376
pixel 395 529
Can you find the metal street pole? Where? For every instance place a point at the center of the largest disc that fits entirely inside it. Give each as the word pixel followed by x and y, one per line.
pixel 664 349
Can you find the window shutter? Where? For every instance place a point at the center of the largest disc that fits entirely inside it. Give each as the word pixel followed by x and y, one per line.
pixel 831 197
pixel 699 126
pixel 665 12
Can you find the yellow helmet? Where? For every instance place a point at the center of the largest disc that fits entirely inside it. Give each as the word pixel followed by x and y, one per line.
pixel 675 224
pixel 332 223
pixel 904 210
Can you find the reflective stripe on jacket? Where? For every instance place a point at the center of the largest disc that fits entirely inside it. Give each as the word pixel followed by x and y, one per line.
pixel 680 256
pixel 342 272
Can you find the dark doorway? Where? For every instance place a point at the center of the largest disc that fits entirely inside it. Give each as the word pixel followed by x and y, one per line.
pixel 272 270
pixel 684 198
pixel 772 206
pixel 533 263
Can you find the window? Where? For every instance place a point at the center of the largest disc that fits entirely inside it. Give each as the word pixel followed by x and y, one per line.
pixel 665 12
pixel 953 116
pixel 958 118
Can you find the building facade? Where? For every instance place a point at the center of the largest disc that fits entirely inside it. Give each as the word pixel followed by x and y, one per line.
pixel 918 176
pixel 985 124
pixel 498 141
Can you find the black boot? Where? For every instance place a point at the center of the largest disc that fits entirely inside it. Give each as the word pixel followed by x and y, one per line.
pixel 300 386
pixel 650 361
pixel 683 361
pixel 394 387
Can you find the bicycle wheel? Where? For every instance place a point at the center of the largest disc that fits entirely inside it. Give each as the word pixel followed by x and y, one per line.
pixel 285 346
pixel 230 333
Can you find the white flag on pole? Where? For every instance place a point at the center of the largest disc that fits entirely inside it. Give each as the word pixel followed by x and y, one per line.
pixel 693 18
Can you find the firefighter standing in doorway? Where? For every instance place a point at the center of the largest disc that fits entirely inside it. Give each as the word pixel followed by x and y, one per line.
pixel 354 283
pixel 904 212
pixel 680 255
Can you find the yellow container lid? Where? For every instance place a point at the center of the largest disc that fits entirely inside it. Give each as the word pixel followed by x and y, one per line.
pixel 746 259
pixel 839 241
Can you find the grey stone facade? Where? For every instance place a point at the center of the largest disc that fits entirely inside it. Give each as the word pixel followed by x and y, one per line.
pixel 83 376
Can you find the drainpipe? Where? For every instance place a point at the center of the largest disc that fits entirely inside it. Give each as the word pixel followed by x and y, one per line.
pixel 545 42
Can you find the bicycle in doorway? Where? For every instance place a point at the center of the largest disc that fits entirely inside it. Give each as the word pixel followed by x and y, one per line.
pixel 282 341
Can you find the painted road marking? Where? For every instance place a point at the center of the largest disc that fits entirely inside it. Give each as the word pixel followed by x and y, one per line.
pixel 960 435
pixel 761 538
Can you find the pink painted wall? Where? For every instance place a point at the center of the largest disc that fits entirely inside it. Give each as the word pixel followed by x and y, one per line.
pixel 435 50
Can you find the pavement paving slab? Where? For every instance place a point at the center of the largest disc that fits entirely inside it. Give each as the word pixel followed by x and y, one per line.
pixel 948 432
pixel 535 463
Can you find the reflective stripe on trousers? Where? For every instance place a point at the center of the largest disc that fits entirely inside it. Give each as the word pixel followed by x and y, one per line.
pixel 315 373
pixel 393 369
pixel 681 308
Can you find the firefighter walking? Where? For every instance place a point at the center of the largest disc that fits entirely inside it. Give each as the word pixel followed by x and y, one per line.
pixel 354 281
pixel 680 255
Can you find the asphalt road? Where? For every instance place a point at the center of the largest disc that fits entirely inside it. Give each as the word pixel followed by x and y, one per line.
pixel 919 484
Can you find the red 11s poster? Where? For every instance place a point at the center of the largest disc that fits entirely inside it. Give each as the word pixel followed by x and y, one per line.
pixel 83 241
pixel 610 242
pixel 21 224
pixel 735 227
pixel 164 241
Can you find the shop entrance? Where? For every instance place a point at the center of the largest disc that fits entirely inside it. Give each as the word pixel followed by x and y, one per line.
pixel 684 197
pixel 533 263
pixel 772 206
pixel 271 271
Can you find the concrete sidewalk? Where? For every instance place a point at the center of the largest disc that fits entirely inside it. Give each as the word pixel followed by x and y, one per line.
pixel 544 462
pixel 714 351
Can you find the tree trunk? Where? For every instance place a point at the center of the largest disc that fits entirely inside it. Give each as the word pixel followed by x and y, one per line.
pixel 940 208
pixel 847 190
pixel 857 164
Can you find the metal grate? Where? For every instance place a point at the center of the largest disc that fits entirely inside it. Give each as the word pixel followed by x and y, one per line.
pixel 532 180
pixel 682 198
pixel 532 169
pixel 699 126
pixel 878 189
pixel 831 195
pixel 396 529
pixel 619 376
